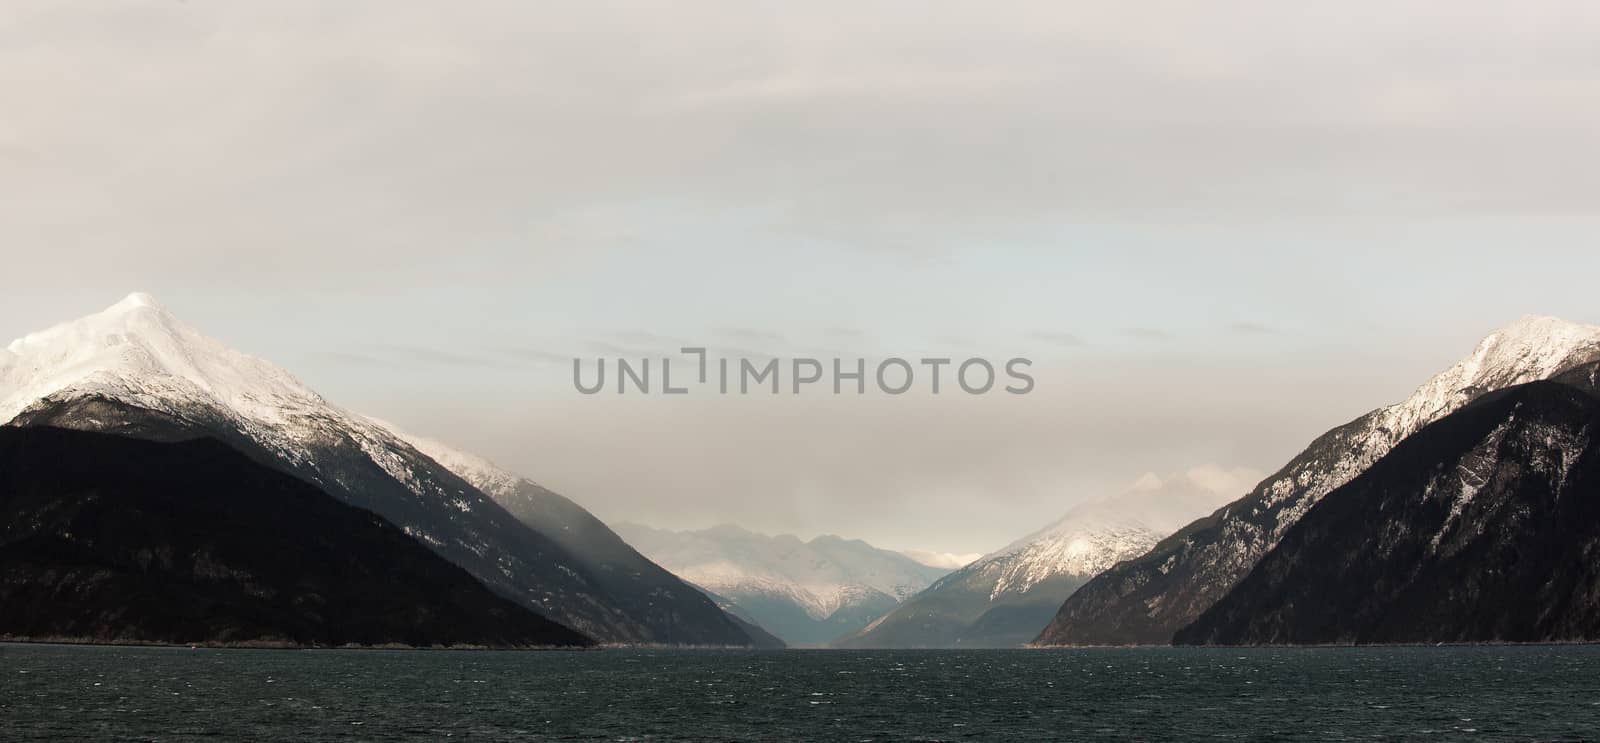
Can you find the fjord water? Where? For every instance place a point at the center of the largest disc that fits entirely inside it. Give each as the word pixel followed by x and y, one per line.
pixel 1486 693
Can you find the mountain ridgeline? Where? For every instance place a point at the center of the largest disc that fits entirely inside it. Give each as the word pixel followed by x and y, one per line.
pixel 1481 527
pixel 1149 599
pixel 136 371
pixel 639 587
pixel 156 486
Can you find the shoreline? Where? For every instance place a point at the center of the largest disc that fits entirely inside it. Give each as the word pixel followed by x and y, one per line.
pixel 268 645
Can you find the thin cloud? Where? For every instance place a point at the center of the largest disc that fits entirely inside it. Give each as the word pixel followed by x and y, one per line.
pixel 536 355
pixel 954 340
pixel 403 353
pixel 750 335
pixel 395 355
pixel 1057 338
pixel 1148 333
pixel 654 340
pixel 350 358
pixel 1251 328
pixel 733 353
pixel 607 348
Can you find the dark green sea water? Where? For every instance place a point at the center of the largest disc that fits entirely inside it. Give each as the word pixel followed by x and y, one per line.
pixel 1481 693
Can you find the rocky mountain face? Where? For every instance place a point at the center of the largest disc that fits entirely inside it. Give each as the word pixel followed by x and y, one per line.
pixel 1481 527
pixel 1005 598
pixel 111 539
pixel 806 593
pixel 135 370
pixel 1148 599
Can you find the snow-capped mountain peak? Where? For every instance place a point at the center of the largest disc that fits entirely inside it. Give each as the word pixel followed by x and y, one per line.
pixel 1152 598
pixel 1533 347
pixel 135 369
pixel 1005 597
pixel 1094 536
pixel 135 300
pixel 138 351
pixel 1083 543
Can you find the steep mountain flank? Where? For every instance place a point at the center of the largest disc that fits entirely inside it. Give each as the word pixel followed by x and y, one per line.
pixel 110 539
pixel 1481 527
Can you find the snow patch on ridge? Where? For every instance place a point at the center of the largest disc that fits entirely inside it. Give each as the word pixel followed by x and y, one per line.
pixel 481 473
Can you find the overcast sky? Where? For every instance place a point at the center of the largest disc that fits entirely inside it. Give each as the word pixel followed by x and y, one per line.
pixel 1217 228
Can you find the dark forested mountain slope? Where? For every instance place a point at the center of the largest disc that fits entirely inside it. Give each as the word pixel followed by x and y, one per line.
pixel 1481 527
pixel 135 369
pixel 111 539
pixel 1146 600
pixel 674 610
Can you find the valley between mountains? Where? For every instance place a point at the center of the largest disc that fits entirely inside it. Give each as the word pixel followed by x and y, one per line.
pixel 157 486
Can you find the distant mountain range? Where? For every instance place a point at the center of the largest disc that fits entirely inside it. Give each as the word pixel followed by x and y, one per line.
pixel 134 370
pixel 808 593
pixel 1148 600
pixel 156 486
pixel 643 588
pixel 1005 598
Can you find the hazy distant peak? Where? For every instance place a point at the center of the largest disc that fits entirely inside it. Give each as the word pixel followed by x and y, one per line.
pixel 1146 481
pixel 945 560
pixel 1152 504
pixel 820 575
pixel 1232 481
pixel 732 530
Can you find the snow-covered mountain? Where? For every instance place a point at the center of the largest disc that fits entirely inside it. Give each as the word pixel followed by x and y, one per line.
pixel 135 370
pixel 807 593
pixel 1481 527
pixel 1005 597
pixel 1148 599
